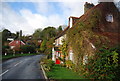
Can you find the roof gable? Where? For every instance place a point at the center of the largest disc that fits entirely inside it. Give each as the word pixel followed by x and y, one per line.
pixel 16 42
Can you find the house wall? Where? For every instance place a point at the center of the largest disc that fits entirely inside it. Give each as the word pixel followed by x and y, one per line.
pixel 59 40
pixel 72 21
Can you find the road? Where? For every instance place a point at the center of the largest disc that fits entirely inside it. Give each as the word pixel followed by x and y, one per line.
pixel 27 67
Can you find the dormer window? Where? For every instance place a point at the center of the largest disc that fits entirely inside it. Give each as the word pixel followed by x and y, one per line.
pixel 109 18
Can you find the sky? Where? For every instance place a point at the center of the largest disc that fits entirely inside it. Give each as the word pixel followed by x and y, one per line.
pixel 29 15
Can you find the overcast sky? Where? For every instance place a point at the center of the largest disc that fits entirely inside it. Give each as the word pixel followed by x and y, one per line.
pixel 28 15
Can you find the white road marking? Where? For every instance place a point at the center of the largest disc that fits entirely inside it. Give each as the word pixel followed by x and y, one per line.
pixel 4 72
pixel 17 63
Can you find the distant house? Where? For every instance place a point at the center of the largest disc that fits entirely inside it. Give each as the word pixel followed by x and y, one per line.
pixel 15 44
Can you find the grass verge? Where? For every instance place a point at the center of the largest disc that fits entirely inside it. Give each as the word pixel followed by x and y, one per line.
pixel 59 72
pixel 16 55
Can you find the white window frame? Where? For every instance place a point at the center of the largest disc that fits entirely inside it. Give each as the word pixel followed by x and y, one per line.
pixel 109 18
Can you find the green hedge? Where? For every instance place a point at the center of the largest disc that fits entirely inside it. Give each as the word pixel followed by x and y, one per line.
pixel 104 65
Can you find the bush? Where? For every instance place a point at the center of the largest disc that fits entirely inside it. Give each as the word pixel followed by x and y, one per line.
pixel 104 65
pixel 69 64
pixel 27 49
pixel 4 49
pixel 47 64
pixel 10 51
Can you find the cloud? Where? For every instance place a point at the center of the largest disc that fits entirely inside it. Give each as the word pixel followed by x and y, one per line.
pixel 12 20
pixel 49 14
pixel 26 20
pixel 72 8
pixel 42 7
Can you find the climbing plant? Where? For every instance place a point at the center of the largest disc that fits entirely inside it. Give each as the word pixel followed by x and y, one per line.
pixel 104 65
pixel 64 49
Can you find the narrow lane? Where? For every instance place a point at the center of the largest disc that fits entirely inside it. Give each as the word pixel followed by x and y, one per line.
pixel 27 67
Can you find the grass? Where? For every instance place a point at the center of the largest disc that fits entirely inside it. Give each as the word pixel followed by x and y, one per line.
pixel 16 55
pixel 59 72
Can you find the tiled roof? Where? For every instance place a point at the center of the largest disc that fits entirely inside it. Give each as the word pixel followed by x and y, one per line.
pixel 16 43
pixel 62 33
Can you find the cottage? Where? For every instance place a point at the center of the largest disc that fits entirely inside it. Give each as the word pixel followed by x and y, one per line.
pixel 56 52
pixel 15 44
pixel 107 17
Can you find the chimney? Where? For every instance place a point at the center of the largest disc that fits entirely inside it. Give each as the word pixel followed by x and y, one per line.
pixel 87 6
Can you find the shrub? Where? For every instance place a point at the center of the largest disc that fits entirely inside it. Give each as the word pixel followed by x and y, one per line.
pixel 10 51
pixel 69 64
pixel 27 49
pixel 4 49
pixel 104 65
pixel 47 64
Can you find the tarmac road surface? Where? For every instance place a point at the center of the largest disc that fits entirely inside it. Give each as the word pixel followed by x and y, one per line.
pixel 27 67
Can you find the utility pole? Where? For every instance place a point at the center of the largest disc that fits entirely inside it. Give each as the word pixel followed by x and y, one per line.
pixel 20 37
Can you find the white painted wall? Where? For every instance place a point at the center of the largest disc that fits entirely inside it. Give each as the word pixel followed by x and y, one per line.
pixel 71 55
pixel 53 54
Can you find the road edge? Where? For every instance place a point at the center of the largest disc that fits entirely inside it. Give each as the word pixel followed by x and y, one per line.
pixel 44 72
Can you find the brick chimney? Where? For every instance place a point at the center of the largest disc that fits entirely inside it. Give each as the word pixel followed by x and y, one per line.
pixel 87 6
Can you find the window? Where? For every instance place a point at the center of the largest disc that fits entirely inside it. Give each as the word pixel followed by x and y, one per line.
pixel 12 47
pixel 109 18
pixel 71 55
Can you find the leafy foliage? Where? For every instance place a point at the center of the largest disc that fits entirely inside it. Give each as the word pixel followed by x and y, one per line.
pixel 48 33
pixel 37 34
pixel 69 64
pixel 59 30
pixel 47 64
pixel 27 49
pixel 43 45
pixel 64 49
pixel 104 65
pixel 5 34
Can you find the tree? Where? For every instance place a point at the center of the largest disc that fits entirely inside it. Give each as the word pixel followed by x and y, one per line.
pixel 49 45
pixel 43 46
pixel 27 49
pixel 37 34
pixel 48 33
pixel 17 35
pixel 59 29
pixel 5 34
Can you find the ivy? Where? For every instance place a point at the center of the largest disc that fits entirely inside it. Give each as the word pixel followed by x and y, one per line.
pixel 105 66
pixel 64 49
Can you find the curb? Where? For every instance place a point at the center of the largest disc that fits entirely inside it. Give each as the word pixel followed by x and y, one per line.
pixel 44 72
